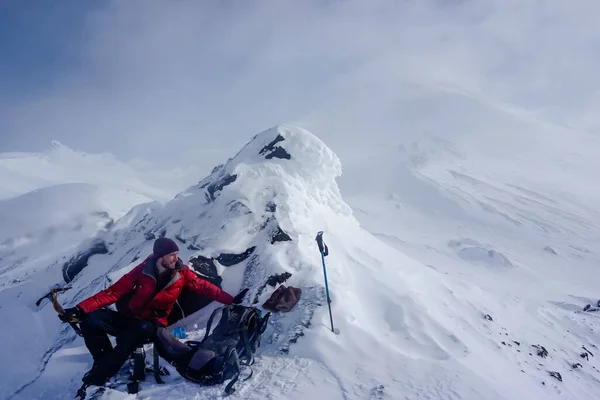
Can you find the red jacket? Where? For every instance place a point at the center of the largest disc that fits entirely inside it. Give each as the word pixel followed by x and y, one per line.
pixel 144 302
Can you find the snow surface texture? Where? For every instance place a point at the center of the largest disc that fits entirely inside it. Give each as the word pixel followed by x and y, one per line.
pixel 459 314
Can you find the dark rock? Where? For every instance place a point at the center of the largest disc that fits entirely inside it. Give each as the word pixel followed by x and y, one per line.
pixel 583 347
pixel 206 269
pixel 517 343
pixel 193 247
pixel 276 279
pixel 550 250
pixel 377 393
pixel 556 375
pixel 541 351
pixel 163 232
pixel 576 365
pixel 504 343
pixel 278 235
pixel 219 185
pixel 272 280
pixel 279 152
pixel 271 207
pixel 488 317
pixel 76 264
pixel 273 151
pixel 182 240
pixel 228 260
pixel 109 224
pixel 150 236
pixel 271 146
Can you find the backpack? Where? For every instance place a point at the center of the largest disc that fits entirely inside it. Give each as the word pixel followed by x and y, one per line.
pixel 228 349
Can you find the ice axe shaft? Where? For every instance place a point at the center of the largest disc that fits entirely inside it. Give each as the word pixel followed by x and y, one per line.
pixel 53 296
pixel 325 252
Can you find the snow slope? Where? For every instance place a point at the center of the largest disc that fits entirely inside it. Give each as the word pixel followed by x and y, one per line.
pixel 488 196
pixel 52 201
pixel 24 172
pixel 410 292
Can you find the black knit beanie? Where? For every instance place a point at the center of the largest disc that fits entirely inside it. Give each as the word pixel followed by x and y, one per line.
pixel 164 246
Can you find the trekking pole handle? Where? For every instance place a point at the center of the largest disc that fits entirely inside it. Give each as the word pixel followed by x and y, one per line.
pixel 322 246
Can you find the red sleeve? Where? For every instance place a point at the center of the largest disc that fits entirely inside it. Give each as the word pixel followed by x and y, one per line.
pixel 205 288
pixel 111 294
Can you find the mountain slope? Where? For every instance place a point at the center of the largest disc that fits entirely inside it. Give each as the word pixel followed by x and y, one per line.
pixel 24 172
pixel 52 201
pixel 409 325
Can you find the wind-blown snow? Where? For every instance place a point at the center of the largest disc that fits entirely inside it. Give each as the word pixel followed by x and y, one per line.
pixel 440 245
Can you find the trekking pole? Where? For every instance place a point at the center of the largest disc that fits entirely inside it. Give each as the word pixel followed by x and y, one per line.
pixel 325 252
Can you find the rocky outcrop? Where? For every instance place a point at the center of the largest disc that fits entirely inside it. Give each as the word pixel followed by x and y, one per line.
pixel 77 263
pixel 273 151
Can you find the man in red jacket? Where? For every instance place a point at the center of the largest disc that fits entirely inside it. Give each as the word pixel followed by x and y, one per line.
pixel 145 297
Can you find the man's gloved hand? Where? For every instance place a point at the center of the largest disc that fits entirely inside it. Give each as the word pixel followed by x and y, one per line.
pixel 73 314
pixel 240 296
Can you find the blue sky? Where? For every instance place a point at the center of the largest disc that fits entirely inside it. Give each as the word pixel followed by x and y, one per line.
pixel 132 77
pixel 40 40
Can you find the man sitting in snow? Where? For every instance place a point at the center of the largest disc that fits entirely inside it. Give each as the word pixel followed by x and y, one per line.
pixel 145 297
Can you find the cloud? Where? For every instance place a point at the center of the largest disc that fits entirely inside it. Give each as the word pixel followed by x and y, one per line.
pixel 155 78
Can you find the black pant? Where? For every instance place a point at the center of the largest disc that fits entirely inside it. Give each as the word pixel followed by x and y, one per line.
pixel 130 334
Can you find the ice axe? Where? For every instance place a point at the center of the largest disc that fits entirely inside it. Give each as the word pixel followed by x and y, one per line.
pixel 53 296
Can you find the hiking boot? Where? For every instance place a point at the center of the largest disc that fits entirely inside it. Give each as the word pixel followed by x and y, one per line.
pixel 93 377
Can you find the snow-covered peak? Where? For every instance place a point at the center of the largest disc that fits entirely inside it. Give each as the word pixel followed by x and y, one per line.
pixel 282 182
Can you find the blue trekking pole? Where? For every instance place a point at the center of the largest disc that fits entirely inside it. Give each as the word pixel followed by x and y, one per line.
pixel 325 252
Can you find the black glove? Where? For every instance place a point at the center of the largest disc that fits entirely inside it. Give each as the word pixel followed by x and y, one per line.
pixel 240 296
pixel 72 315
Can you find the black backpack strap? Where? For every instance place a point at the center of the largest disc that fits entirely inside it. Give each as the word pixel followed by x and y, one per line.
pixel 156 366
pixel 262 327
pixel 245 321
pixel 210 321
pixel 229 388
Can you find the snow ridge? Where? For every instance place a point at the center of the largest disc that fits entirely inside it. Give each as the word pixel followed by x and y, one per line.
pixel 405 328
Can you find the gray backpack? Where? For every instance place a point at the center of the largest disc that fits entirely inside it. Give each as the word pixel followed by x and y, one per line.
pixel 223 353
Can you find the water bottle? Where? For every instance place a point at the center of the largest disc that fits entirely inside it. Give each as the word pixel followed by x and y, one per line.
pixel 179 332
